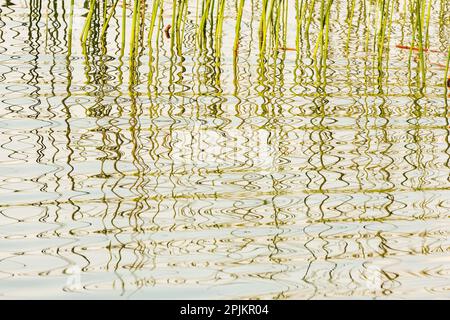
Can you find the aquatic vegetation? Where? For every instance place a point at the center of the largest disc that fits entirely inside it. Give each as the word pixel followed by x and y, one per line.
pixel 313 22
pixel 447 77
pixel 225 148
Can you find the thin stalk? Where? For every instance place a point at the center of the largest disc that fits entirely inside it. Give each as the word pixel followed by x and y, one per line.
pixel 70 31
pixel 124 27
pixel 427 35
pixel 153 21
pixel 87 24
pixel 204 18
pixel 382 33
pixel 326 40
pixel 267 23
pixel 419 21
pixel 238 26
pixel 319 41
pixel 310 16
pixel 133 38
pixel 219 26
pixel 350 20
pixel 446 76
pixel 300 14
pixel 172 31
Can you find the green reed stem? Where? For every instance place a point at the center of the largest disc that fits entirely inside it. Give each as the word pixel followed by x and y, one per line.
pixel 124 27
pixel 133 37
pixel 327 32
pixel 106 23
pixel 269 21
pixel 262 22
pixel 154 14
pixel 219 26
pixel 324 26
pixel 179 24
pixel 276 26
pixel 202 26
pixel 184 15
pixel 87 24
pixel 349 23
pixel 174 20
pixel 310 16
pixel 427 35
pixel 285 23
pixel 70 31
pixel 389 36
pixel 419 21
pixel 384 21
pixel 300 9
pixel 446 75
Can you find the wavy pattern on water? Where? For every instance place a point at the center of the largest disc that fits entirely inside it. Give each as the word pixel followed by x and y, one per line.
pixel 195 173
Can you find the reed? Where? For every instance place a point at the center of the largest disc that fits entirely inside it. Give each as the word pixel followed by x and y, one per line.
pixel 108 19
pixel 419 19
pixel 238 26
pixel 383 24
pixel 70 29
pixel 219 25
pixel 206 8
pixel 87 24
pixel 322 38
pixel 124 27
pixel 427 27
pixel 157 7
pixel 349 23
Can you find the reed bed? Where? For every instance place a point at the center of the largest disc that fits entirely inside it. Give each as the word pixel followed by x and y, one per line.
pixel 150 21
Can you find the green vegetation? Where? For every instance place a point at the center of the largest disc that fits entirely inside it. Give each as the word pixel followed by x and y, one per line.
pixel 313 19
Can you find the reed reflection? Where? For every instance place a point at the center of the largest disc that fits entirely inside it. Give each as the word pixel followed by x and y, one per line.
pixel 294 154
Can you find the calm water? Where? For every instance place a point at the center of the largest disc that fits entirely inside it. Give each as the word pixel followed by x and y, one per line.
pixel 205 178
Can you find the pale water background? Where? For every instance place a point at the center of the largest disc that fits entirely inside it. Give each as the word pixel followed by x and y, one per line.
pixel 213 182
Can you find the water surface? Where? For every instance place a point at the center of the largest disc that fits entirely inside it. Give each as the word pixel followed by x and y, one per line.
pixel 194 176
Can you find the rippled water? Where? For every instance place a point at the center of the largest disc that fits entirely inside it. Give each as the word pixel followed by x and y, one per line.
pixel 210 179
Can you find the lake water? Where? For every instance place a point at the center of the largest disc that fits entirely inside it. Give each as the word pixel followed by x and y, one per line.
pixel 200 176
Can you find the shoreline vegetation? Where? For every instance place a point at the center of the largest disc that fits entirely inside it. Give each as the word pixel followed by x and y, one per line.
pixel 313 26
pixel 245 149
